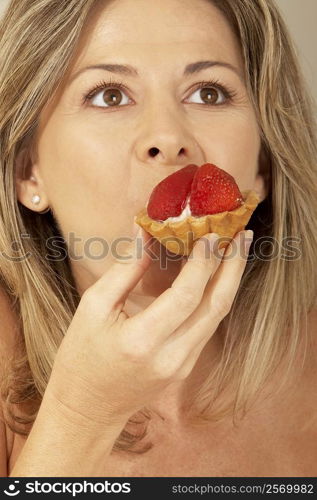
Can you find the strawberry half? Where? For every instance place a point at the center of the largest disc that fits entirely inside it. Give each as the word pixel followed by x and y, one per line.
pixel 213 191
pixel 168 198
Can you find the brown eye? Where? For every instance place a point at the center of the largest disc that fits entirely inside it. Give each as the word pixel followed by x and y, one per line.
pixel 109 97
pixel 209 95
pixel 112 97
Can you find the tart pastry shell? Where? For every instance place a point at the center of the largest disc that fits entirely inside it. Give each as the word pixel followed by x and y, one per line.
pixel 179 237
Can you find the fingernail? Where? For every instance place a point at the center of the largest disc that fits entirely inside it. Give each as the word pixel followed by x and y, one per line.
pixel 248 239
pixel 136 229
pixel 212 241
pixel 138 236
pixel 222 251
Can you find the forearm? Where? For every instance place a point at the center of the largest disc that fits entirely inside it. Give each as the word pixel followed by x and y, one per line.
pixel 63 444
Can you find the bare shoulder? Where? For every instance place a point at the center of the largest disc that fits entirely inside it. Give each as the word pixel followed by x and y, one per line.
pixel 312 329
pixel 308 354
pixel 8 323
pixel 8 337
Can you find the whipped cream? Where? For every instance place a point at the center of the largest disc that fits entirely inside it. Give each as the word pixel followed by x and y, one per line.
pixel 185 213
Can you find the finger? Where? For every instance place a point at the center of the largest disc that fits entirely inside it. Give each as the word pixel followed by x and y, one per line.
pixel 223 289
pixel 192 359
pixel 130 265
pixel 219 296
pixel 177 303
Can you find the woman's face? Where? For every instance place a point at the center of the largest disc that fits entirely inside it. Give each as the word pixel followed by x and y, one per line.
pixel 101 152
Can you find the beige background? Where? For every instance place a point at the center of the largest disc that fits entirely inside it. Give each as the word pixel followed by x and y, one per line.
pixel 301 17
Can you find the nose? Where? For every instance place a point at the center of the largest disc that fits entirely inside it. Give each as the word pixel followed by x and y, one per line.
pixel 165 140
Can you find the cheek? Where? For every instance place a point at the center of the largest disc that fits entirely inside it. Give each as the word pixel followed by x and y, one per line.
pixel 234 145
pixel 80 166
pixel 84 175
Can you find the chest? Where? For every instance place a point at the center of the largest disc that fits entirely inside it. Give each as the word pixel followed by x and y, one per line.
pixel 272 450
pixel 272 440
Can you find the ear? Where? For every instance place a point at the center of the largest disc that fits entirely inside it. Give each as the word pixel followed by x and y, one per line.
pixel 261 183
pixel 29 184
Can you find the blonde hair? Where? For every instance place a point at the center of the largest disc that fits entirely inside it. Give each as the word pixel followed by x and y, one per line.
pixel 37 40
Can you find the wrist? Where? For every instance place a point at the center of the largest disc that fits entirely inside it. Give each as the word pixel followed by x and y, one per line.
pixel 77 411
pixel 60 438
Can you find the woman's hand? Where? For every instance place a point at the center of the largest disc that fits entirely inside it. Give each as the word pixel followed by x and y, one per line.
pixel 109 365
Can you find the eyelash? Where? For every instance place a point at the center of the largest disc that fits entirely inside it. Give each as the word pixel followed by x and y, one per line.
pixel 228 93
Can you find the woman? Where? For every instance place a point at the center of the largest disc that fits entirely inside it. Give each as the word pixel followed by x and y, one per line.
pixel 197 368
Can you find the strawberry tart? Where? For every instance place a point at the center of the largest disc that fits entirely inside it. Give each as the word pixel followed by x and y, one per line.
pixel 195 201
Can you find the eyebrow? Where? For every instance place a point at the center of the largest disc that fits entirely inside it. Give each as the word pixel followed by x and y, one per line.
pixel 128 70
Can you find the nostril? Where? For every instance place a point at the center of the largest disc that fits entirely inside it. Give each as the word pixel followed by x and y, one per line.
pixel 153 152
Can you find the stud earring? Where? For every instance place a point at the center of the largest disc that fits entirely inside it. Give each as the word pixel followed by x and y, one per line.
pixel 36 199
